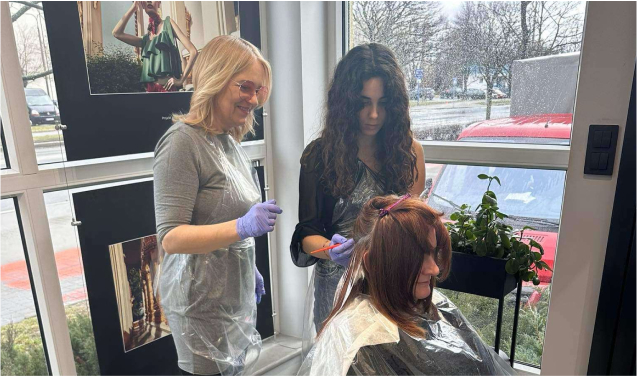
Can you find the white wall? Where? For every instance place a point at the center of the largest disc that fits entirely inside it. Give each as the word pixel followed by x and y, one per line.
pixel 302 55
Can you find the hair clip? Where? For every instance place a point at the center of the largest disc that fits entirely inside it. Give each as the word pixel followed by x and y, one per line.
pixel 383 212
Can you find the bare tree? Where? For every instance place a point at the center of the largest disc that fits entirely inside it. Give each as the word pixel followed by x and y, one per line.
pixel 483 43
pixel 32 47
pixel 541 28
pixel 408 28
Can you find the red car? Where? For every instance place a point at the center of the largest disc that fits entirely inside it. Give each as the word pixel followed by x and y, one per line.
pixel 528 196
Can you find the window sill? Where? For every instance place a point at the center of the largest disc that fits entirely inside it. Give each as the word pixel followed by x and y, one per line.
pixel 276 351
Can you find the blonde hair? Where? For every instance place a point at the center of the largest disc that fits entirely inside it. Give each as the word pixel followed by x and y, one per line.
pixel 220 60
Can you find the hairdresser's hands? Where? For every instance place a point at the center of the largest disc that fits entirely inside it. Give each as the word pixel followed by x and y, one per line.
pixel 259 220
pixel 343 252
pixel 259 289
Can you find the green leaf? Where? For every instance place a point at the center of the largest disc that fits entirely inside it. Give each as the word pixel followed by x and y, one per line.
pixel 499 252
pixel 454 216
pixel 511 266
pixel 492 237
pixel 537 256
pixel 544 265
pixel 488 200
pixel 506 243
pixel 528 228
pixel 497 179
pixel 483 176
pixel 537 245
pixel 490 194
pixel 481 250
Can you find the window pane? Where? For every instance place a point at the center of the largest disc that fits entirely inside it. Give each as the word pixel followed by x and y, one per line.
pixel 481 71
pixel 35 61
pixel 69 265
pixel 529 197
pixel 22 349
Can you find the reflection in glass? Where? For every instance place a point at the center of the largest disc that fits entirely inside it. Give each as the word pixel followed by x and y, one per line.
pixel 21 339
pixel 35 62
pixel 530 197
pixel 71 274
pixel 149 44
pixel 469 62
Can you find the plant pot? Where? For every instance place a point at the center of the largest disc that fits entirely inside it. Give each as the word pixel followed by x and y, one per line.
pixel 483 276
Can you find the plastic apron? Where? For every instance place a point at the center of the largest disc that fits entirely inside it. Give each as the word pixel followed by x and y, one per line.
pixel 327 274
pixel 209 298
pixel 361 341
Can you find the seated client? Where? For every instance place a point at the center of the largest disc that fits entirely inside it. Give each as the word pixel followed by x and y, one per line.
pixel 387 319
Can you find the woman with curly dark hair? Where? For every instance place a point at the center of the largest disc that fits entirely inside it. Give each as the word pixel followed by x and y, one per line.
pixel 366 149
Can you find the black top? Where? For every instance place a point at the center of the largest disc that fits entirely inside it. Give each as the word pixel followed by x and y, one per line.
pixel 316 206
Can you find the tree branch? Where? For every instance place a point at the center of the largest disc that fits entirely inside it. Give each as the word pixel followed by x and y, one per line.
pixel 35 76
pixel 27 6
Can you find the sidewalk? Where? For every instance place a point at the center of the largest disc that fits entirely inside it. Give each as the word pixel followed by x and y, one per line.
pixel 17 298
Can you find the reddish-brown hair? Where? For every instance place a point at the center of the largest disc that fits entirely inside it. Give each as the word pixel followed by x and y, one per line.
pixel 396 245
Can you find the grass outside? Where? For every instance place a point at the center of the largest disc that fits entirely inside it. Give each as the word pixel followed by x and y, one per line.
pixel 482 313
pixel 42 128
pixel 47 138
pixel 22 352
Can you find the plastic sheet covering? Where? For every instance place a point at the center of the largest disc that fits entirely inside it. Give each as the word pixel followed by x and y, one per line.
pixel 326 273
pixel 209 298
pixel 361 341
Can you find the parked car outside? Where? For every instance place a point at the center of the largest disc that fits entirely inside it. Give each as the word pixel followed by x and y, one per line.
pixel 451 93
pixel 425 93
pixel 473 94
pixel 41 108
pixel 497 93
pixel 530 197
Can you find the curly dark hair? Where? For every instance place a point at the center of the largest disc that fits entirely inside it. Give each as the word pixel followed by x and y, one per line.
pixel 338 148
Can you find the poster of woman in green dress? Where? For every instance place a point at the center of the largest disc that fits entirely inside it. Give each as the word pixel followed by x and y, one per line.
pixel 149 46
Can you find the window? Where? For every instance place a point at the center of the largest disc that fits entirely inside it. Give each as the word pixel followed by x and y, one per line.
pixel 71 273
pixel 21 340
pixel 530 197
pixel 35 63
pixel 500 71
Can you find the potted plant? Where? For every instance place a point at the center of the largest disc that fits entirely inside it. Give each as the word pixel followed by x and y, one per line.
pixel 484 233
pixel 489 257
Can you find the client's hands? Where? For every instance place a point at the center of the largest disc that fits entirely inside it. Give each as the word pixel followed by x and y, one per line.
pixel 259 289
pixel 259 220
pixel 343 252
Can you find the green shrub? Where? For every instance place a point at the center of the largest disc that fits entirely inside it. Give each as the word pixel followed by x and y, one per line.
pixel 114 70
pixel 22 352
pixel 21 349
pixel 83 343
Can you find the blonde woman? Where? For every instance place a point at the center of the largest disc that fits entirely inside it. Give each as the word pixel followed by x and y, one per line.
pixel 208 210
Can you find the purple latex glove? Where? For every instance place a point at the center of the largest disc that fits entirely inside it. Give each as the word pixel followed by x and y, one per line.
pixel 259 220
pixel 343 252
pixel 259 289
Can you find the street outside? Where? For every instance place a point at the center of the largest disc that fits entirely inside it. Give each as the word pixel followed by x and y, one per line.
pixel 17 301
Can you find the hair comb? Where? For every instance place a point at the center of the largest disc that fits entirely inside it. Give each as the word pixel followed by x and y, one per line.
pixel 383 212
